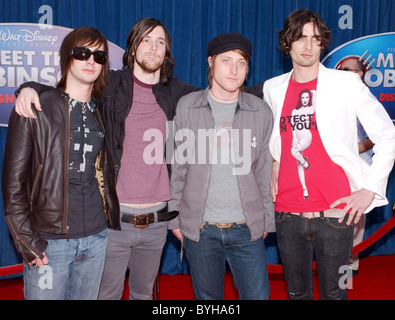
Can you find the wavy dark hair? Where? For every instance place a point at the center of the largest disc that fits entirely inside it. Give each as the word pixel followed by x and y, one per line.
pixel 139 31
pixel 83 36
pixel 293 29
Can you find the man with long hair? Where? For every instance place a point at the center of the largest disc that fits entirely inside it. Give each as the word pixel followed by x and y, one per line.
pixel 137 103
pixel 54 170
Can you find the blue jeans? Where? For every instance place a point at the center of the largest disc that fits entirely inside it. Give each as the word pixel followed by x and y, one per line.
pixel 247 261
pixel 299 239
pixel 74 270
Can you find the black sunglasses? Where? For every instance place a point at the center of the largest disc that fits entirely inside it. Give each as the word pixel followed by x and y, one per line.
pixel 82 53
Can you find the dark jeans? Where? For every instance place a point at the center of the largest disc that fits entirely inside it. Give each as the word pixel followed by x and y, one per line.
pixel 298 239
pixel 246 258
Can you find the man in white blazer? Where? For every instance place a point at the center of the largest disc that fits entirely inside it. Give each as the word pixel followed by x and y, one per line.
pixel 320 185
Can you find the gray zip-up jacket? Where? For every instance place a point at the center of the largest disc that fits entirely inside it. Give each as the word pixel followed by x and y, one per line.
pixel 191 169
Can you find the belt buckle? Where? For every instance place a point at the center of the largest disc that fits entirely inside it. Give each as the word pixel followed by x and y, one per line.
pixel 144 216
pixel 223 225
pixel 310 215
pixel 304 215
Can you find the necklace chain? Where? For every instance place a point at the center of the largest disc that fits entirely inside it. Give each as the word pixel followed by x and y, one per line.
pixel 83 105
pixel 234 99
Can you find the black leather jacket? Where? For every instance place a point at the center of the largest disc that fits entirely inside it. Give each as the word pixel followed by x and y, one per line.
pixel 35 174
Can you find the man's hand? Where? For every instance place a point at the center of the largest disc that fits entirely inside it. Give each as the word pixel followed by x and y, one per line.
pixel 39 262
pixel 177 233
pixel 24 101
pixel 356 204
pixel 274 180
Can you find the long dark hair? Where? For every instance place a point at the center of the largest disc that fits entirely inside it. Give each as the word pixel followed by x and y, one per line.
pixel 83 36
pixel 139 31
pixel 293 29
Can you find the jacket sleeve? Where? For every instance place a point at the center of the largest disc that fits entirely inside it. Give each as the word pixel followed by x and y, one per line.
pixel 17 185
pixel 337 122
pixel 39 88
pixel 186 88
pixel 380 129
pixel 256 90
pixel 178 170
pixel 263 170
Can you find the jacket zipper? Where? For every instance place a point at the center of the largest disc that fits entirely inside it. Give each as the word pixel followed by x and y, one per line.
pixel 20 240
pixel 66 168
pixel 124 127
pixel 96 115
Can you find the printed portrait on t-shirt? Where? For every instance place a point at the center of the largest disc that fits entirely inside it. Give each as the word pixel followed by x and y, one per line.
pixel 308 178
pixel 301 121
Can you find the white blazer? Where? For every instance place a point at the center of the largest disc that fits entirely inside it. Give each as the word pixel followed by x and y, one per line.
pixel 341 98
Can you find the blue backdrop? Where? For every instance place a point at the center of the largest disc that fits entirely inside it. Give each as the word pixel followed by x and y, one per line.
pixel 192 23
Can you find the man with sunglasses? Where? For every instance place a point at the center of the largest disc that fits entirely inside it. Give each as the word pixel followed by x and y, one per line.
pixel 54 168
pixel 137 100
pixel 83 54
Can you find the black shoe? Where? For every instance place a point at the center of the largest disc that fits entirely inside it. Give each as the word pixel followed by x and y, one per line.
pixel 308 164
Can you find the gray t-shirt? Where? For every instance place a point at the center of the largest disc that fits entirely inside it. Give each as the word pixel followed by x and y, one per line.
pixel 223 202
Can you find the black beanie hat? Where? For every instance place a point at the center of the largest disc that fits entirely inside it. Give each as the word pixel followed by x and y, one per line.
pixel 229 41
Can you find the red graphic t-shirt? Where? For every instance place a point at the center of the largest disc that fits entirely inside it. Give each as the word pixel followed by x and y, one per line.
pixel 309 181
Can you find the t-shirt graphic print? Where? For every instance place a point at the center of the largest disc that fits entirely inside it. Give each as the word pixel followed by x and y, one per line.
pixel 301 123
pixel 308 178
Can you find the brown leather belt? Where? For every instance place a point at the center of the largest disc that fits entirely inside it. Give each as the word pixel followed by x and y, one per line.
pixel 223 225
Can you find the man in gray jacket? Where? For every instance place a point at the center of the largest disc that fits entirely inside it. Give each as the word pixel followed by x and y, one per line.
pixel 221 175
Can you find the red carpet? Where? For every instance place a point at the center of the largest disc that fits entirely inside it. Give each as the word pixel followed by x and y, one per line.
pixel 375 281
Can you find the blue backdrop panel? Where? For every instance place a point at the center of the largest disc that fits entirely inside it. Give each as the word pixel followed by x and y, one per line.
pixel 192 23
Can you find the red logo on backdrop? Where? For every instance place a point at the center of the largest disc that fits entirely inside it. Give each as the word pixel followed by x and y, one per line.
pixel 377 52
